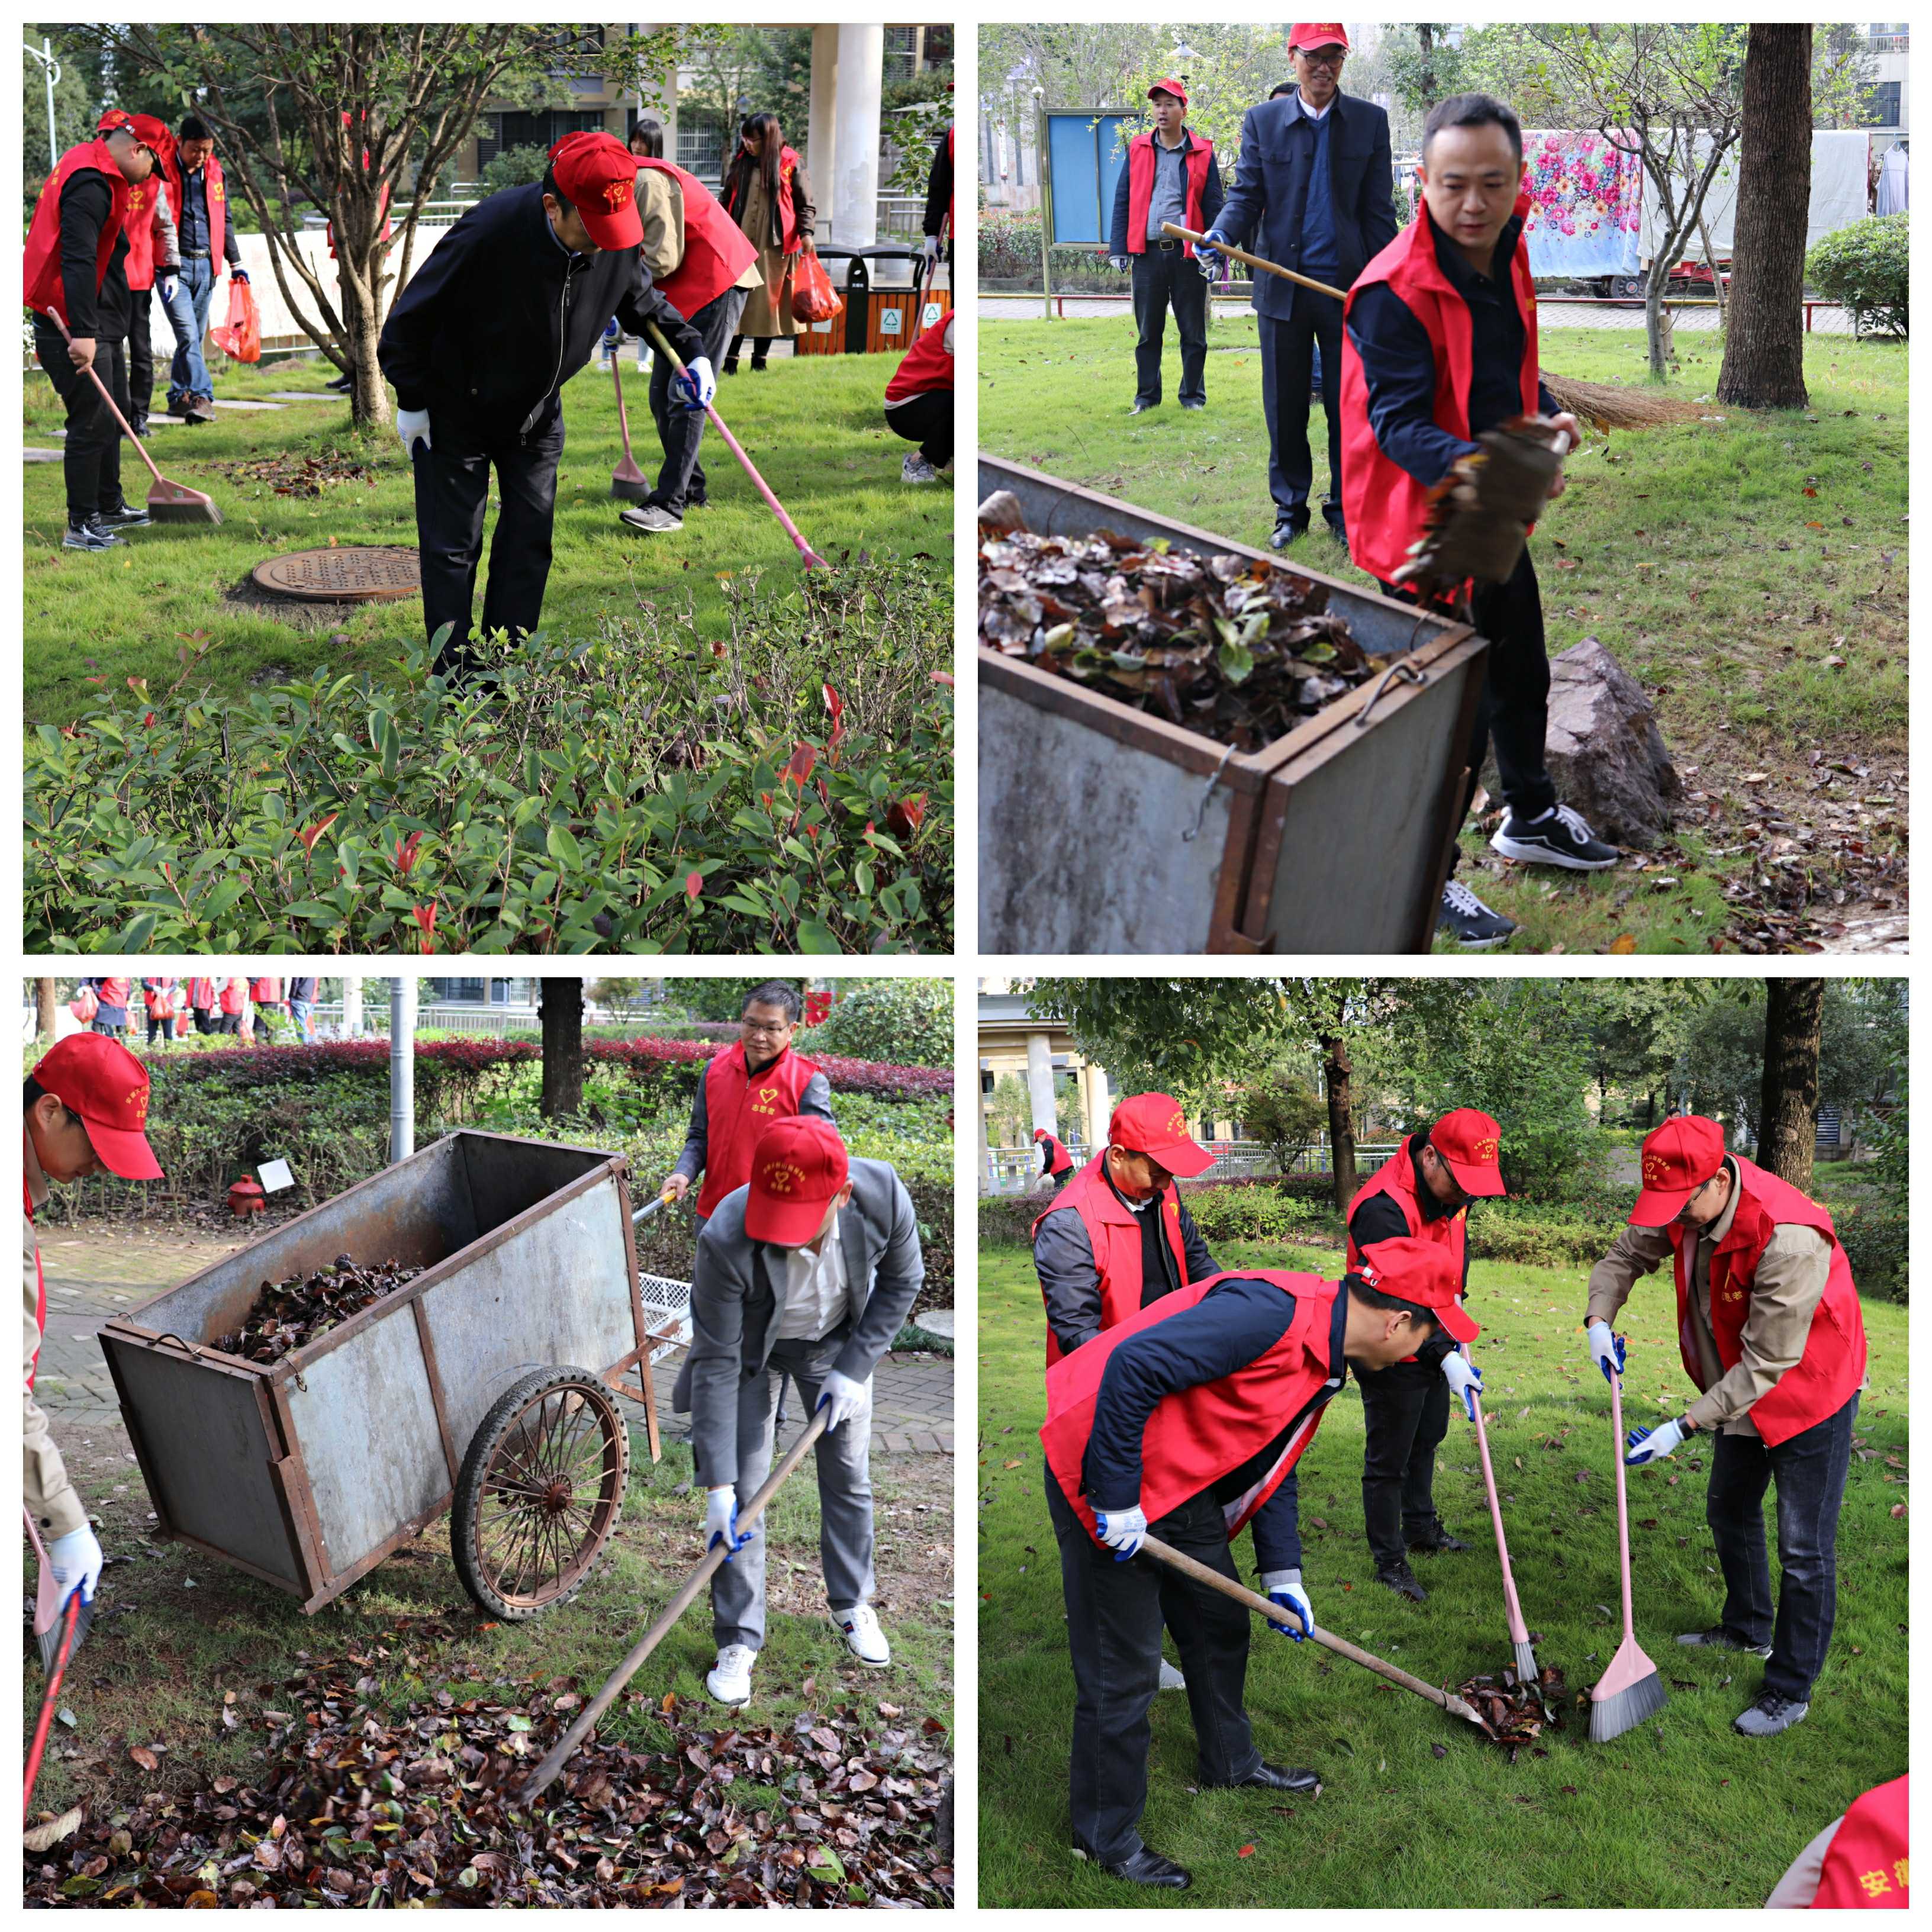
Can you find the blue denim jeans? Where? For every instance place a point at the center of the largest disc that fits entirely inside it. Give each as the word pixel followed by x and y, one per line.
pixel 189 376
pixel 1810 1470
pixel 298 1012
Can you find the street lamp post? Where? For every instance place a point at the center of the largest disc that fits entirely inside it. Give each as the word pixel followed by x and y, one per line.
pixel 50 68
pixel 1046 202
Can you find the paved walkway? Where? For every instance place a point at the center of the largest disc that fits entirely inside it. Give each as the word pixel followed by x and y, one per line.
pixel 97 1272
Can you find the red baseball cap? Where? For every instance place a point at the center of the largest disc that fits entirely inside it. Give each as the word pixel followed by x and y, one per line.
pixel 1155 1124
pixel 99 1079
pixel 797 1166
pixel 1472 1143
pixel 599 176
pixel 1330 33
pixel 1678 1158
pixel 153 133
pixel 1413 1269
pixel 1173 87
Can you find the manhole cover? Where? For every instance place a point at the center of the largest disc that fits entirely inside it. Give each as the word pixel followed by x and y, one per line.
pixel 367 574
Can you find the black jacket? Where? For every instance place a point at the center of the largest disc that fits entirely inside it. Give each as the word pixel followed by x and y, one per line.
pixel 1270 187
pixel 939 186
pixel 501 315
pixel 85 203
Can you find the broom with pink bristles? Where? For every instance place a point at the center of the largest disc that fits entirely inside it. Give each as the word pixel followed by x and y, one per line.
pixel 1631 1691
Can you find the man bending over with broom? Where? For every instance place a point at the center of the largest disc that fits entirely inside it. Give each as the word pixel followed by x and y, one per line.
pixel 1438 346
pixel 1770 1330
pixel 810 1269
pixel 1185 1421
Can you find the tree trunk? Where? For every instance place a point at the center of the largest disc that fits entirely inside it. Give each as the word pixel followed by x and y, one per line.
pixel 562 1002
pixel 1335 1071
pixel 1764 338
pixel 1794 1020
pixel 369 399
pixel 44 1007
pixel 1425 40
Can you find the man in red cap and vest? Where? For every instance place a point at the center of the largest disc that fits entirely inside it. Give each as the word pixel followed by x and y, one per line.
pixel 1423 1190
pixel 809 1271
pixel 76 265
pixel 86 1109
pixel 744 1089
pixel 1316 184
pixel 705 267
pixel 153 263
pixel 1170 176
pixel 199 193
pixel 1056 1164
pixel 1185 1421
pixel 1770 1330
pixel 1440 346
pixel 1118 1236
pixel 1862 1859
pixel 509 305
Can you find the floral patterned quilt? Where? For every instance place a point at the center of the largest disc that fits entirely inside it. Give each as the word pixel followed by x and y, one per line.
pixel 1587 213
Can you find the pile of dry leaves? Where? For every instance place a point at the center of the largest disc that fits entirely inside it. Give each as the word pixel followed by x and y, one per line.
pixel 1515 1713
pixel 357 1806
pixel 1236 649
pixel 291 1314
pixel 298 475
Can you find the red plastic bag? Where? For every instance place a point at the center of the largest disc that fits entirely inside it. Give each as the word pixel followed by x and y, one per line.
pixel 241 335
pixel 84 1005
pixel 813 297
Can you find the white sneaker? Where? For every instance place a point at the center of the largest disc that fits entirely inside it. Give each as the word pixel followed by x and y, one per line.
pixel 1171 1679
pixel 863 1636
pixel 917 470
pixel 731 1681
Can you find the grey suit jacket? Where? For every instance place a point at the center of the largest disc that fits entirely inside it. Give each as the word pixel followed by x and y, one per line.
pixel 737 1295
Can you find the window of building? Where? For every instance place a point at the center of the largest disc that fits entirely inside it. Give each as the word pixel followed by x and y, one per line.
pixel 901 52
pixel 700 143
pixel 1883 104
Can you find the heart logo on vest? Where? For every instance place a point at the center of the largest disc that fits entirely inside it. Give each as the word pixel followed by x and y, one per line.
pixel 781 1177
pixel 765 1100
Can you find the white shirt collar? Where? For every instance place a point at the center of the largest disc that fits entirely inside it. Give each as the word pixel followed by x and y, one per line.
pixel 1310 114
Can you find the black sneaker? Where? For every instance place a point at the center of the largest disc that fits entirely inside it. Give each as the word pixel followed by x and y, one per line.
pixel 340 382
pixel 1401 1579
pixel 1194 406
pixel 1437 1540
pixel 1718 1638
pixel 1469 922
pixel 92 534
pixel 1561 837
pixel 128 517
pixel 139 425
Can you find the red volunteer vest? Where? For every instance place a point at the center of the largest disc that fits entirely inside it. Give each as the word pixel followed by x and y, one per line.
pixel 217 203
pixel 1115 1234
pixel 144 203
pixel 1383 503
pixel 927 365
pixel 1059 1160
pixel 266 992
pixel 1865 1862
pixel 1140 187
pixel 1833 1364
pixel 739 1106
pixel 201 995
pixel 44 288
pixel 791 241
pixel 1195 1436
pixel 231 996
pixel 115 992
pixel 717 251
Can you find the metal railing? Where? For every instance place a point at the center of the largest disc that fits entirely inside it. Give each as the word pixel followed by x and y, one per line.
pixel 1016 1170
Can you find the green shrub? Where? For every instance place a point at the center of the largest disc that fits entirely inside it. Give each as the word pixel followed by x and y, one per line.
pixel 907 1021
pixel 1546 1234
pixel 645 791
pixel 1235 1212
pixel 513 167
pixel 1866 267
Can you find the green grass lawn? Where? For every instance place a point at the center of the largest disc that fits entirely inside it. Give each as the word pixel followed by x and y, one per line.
pixel 1416 1811
pixel 815 428
pixel 1723 564
pixel 175 1628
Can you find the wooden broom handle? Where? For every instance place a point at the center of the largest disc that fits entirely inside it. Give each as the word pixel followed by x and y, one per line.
pixel 1254 261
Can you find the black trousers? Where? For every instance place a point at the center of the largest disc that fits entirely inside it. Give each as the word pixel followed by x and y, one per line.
pixel 1165 277
pixel 206 1020
pixel 1114 1612
pixel 164 1028
pixel 926 420
pixel 91 458
pixel 1288 363
pixel 140 355
pixel 1810 1470
pixel 452 480
pixel 1406 1415
pixel 680 430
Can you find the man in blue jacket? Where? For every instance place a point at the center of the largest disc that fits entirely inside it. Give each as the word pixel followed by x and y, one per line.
pixel 1315 178
pixel 511 303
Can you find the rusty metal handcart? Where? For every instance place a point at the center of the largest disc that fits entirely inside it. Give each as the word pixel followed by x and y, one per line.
pixel 484 1387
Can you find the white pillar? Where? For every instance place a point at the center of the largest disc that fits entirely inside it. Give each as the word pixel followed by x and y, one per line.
pixel 402 1068
pixel 1102 1107
pixel 986 1146
pixel 851 195
pixel 819 140
pixel 1039 1080
pixel 351 1008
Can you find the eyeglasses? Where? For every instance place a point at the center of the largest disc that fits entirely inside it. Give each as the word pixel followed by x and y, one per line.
pixel 1330 60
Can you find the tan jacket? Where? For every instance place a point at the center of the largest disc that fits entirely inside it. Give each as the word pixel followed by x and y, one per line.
pixel 1785 1294
pixel 660 209
pixel 56 1506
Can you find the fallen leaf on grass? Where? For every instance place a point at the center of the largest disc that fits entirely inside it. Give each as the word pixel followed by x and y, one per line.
pixel 44 1838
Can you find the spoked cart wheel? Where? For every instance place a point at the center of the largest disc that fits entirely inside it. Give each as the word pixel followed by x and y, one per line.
pixel 539 1493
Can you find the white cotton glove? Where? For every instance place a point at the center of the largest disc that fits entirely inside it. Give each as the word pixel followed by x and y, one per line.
pixel 412 426
pixel 721 1521
pixel 169 284
pixel 1121 1531
pixel 843 1396
pixel 1464 1378
pixel 932 250
pixel 1652 1445
pixel 1606 1350
pixel 1284 1587
pixel 698 384
pixel 75 1559
pixel 1119 264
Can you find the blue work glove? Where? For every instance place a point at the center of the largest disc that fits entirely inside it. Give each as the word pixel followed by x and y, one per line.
pixel 843 1396
pixel 613 333
pixel 1284 1587
pixel 238 274
pixel 1121 265
pixel 1464 1378
pixel 696 385
pixel 75 1559
pixel 1121 1531
pixel 721 1521
pixel 1210 263
pixel 169 285
pixel 1605 1348
pixel 1652 1445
